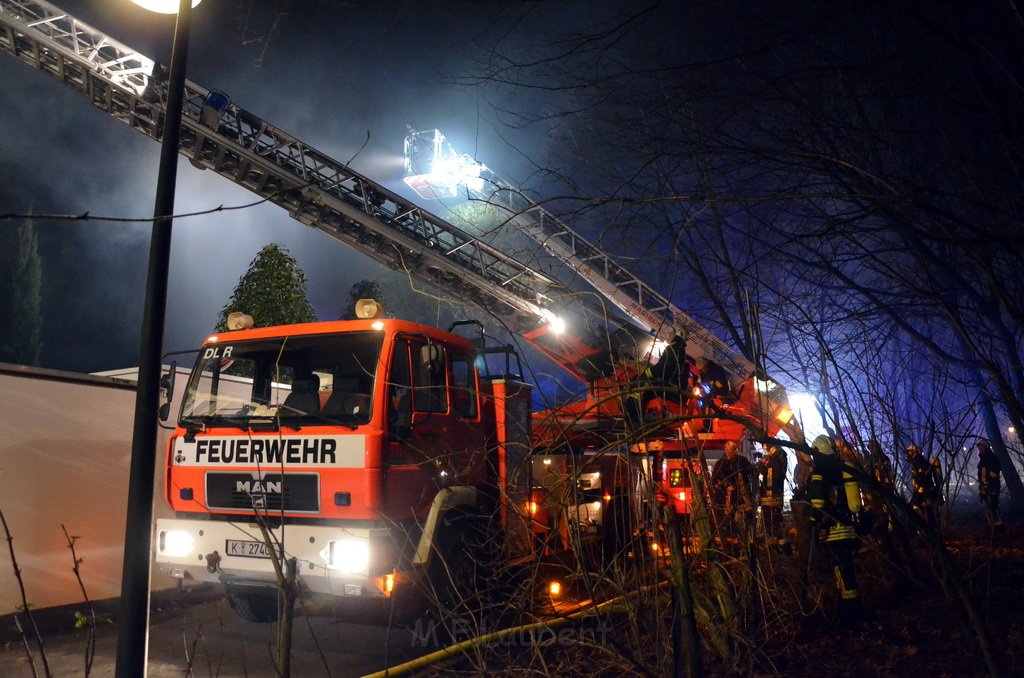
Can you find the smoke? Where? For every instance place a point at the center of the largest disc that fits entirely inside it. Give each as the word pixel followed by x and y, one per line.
pixel 331 75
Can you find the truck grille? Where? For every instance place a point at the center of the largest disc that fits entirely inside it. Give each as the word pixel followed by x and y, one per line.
pixel 292 492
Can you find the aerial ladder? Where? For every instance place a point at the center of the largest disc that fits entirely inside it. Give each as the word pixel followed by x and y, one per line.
pixel 694 423
pixel 436 170
pixel 330 196
pixel 577 333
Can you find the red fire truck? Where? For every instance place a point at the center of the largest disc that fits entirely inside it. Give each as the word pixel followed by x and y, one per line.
pixel 364 446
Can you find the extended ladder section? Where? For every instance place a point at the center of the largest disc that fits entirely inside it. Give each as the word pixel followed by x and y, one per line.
pixel 315 189
pixel 644 306
pixel 434 169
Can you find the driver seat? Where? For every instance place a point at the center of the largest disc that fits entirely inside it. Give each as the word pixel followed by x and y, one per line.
pixel 304 398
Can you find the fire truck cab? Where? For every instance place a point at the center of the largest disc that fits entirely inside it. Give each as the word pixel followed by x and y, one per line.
pixel 351 444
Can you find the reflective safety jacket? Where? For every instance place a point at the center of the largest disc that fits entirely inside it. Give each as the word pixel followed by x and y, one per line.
pixel 989 469
pixel 835 497
pixel 772 475
pixel 927 479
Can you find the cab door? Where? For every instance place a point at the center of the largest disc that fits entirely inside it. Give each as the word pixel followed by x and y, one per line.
pixel 434 436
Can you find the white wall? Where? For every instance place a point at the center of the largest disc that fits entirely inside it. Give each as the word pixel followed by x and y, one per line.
pixel 65 447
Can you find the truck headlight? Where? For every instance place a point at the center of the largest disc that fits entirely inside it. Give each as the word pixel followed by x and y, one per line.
pixel 175 543
pixel 349 555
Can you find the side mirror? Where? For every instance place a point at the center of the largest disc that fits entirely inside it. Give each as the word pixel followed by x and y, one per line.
pixel 430 355
pixel 167 391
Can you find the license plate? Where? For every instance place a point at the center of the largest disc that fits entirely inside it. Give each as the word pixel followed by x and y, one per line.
pixel 246 549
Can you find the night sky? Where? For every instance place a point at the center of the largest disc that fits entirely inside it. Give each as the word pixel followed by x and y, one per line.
pixel 696 142
pixel 332 74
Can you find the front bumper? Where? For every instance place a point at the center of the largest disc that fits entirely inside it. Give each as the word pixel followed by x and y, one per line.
pixel 331 560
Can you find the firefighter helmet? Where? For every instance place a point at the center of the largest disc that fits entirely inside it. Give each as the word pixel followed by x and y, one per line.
pixel 822 444
pixel 912 450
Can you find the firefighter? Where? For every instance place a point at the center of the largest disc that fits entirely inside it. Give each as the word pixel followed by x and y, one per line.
pixel 850 455
pixel 989 469
pixel 879 466
pixel 876 520
pixel 772 478
pixel 926 477
pixel 671 374
pixel 730 487
pixel 800 509
pixel 637 374
pixel 715 379
pixel 835 508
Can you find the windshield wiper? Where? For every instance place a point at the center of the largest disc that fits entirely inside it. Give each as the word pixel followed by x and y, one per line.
pixel 190 422
pixel 262 422
pixel 192 426
pixel 202 422
pixel 346 422
pixel 268 422
pixel 259 423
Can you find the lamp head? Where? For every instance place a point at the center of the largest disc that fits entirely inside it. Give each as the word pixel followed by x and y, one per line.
pixel 162 6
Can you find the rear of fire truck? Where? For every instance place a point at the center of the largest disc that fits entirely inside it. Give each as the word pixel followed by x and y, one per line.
pixel 348 446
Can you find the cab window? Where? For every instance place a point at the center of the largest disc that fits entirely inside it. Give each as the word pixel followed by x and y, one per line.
pixel 430 386
pixel 463 387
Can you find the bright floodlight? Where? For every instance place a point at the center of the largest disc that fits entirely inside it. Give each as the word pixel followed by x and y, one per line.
pixel 555 323
pixel 802 402
pixel 435 170
pixel 657 349
pixel 162 6
pixel 784 415
pixel 805 408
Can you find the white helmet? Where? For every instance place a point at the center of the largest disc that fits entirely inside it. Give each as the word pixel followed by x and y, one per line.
pixel 823 444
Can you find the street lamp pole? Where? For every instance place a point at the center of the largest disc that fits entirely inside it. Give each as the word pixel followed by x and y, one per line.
pixel 133 620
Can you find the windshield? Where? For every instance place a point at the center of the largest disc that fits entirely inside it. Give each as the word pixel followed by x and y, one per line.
pixel 316 379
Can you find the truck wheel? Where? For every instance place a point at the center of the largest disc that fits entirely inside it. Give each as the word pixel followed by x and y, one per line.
pixel 257 607
pixel 457 570
pixel 618 529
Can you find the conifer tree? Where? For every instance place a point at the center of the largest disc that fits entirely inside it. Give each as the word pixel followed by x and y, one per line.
pixel 272 291
pixel 20 295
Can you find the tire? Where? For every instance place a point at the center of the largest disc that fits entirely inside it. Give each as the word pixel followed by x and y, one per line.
pixel 259 607
pixel 457 574
pixel 452 567
pixel 617 527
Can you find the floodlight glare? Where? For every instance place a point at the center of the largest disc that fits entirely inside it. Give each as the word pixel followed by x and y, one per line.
pixel 162 6
pixel 435 170
pixel 555 323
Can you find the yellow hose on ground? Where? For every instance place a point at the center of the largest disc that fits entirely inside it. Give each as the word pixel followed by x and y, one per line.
pixel 459 648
